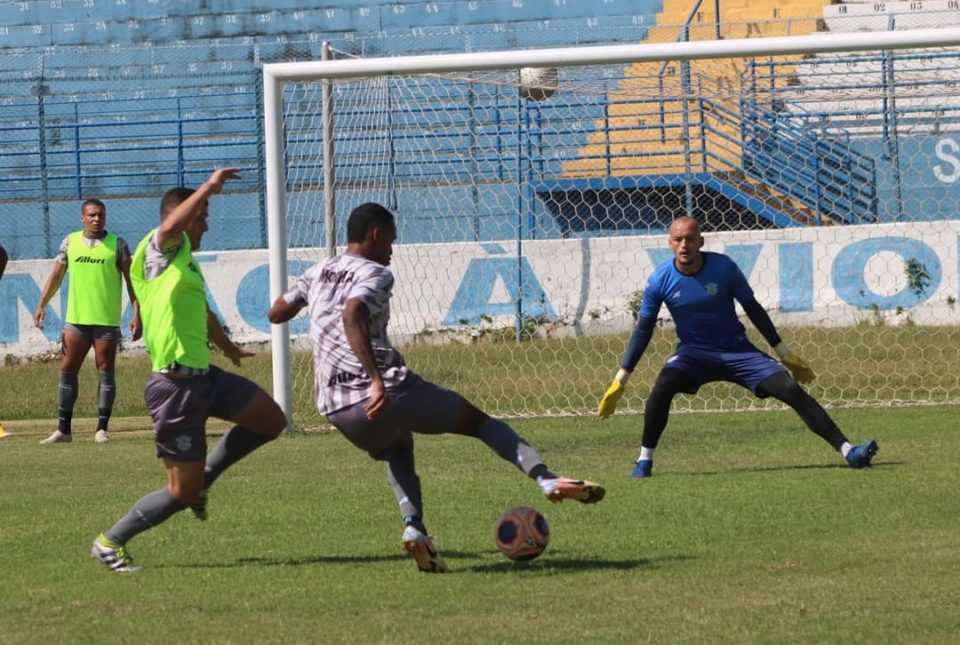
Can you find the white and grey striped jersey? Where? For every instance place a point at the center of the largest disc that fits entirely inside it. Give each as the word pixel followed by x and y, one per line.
pixel 340 381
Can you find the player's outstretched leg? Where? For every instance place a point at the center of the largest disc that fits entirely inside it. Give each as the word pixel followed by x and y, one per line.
pixel 515 449
pixel 784 388
pixel 860 456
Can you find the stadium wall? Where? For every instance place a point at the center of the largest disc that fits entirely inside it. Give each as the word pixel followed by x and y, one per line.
pixel 825 276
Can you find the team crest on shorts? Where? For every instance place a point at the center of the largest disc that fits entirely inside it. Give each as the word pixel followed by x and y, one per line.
pixel 711 288
pixel 184 442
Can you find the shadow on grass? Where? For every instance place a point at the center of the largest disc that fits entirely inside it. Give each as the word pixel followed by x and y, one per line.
pixel 288 562
pixel 773 469
pixel 549 565
pixel 555 564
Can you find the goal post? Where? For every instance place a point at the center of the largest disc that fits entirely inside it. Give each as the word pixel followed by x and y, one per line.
pixel 527 210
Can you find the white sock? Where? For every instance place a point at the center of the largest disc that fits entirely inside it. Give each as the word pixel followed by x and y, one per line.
pixel 646 454
pixel 845 448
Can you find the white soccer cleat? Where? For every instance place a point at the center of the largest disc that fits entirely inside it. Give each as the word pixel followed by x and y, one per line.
pixel 58 437
pixel 102 436
pixel 113 556
pixel 423 550
pixel 561 488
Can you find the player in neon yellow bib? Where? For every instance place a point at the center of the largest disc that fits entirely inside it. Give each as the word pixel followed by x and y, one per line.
pixel 97 261
pixel 184 389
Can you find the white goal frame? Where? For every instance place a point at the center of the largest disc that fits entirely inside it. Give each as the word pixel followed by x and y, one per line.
pixel 276 75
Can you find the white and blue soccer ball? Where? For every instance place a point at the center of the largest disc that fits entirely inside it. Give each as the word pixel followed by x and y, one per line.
pixel 538 83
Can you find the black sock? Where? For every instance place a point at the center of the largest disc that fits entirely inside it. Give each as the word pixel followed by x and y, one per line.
pixel 103 418
pixel 415 522
pixel 64 421
pixel 541 470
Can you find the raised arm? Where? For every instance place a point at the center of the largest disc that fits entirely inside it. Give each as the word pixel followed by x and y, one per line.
pixel 171 229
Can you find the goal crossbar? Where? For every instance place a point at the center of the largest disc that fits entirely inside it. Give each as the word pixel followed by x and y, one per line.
pixel 613 54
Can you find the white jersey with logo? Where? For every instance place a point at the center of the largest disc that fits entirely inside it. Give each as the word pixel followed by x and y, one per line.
pixel 325 288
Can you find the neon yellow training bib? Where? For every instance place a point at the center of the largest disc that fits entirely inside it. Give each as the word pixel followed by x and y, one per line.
pixel 173 307
pixel 94 294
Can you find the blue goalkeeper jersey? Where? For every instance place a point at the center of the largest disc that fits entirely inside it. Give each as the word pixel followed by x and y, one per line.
pixel 701 305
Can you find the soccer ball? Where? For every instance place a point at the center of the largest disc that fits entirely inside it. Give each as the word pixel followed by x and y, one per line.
pixel 538 83
pixel 521 533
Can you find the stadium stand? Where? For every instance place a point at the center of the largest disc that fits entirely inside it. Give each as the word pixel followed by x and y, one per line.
pixel 167 87
pixel 894 108
pixel 119 98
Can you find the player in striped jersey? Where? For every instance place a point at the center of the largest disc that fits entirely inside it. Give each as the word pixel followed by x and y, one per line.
pixel 366 390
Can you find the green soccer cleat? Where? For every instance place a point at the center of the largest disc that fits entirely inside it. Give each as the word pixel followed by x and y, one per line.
pixel 113 556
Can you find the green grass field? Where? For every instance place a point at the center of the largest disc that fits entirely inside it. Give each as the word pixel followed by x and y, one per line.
pixel 752 531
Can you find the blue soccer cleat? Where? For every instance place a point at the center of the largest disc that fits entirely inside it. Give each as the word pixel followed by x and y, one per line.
pixel 644 468
pixel 860 456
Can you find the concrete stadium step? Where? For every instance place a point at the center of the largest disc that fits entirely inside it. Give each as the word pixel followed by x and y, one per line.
pixel 388 15
pixel 676 12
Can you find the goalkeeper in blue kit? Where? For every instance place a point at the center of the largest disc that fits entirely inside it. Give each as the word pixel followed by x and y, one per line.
pixel 699 289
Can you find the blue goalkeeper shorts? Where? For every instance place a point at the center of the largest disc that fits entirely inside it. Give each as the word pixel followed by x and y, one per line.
pixel 745 365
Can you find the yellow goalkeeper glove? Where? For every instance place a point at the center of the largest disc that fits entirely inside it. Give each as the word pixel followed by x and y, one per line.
pixel 798 367
pixel 612 396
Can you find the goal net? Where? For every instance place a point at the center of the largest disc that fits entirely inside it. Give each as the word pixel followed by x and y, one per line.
pixel 533 190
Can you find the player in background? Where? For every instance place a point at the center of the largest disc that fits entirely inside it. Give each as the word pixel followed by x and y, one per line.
pixel 365 389
pixel 699 289
pixel 184 389
pixel 97 261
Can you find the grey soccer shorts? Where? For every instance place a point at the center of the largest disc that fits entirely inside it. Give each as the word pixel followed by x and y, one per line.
pixel 92 333
pixel 180 407
pixel 420 407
